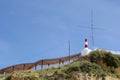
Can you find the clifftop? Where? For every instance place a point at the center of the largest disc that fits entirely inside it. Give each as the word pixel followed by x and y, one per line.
pixel 98 65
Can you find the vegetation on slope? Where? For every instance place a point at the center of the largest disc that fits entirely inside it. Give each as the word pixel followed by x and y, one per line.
pixel 111 60
pixel 76 70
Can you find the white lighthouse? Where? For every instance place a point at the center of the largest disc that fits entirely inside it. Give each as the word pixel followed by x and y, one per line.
pixel 86 50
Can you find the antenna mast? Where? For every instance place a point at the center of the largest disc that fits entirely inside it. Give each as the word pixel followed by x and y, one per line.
pixel 92 29
pixel 69 49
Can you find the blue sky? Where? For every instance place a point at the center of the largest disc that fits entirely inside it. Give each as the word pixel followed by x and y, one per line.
pixel 31 30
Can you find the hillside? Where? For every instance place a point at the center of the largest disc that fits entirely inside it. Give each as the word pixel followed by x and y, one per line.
pixel 98 65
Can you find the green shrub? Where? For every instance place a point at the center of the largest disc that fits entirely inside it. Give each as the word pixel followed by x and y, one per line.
pixel 50 78
pixel 8 78
pixel 90 67
pixel 118 76
pixel 111 60
pixel 108 58
pixel 31 78
pixel 72 69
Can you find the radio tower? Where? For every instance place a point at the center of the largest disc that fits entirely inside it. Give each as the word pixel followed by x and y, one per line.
pixel 92 29
pixel 69 49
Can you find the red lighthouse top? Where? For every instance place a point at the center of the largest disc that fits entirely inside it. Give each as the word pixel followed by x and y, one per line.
pixel 86 43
